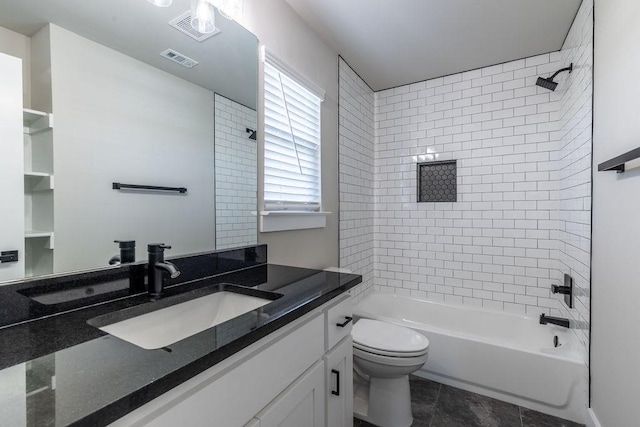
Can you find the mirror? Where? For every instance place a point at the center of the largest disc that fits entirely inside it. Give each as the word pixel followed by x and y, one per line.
pixel 121 113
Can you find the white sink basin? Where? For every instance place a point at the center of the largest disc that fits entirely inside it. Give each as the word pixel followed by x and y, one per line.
pixel 168 325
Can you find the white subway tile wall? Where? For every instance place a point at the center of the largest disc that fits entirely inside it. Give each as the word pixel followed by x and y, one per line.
pixel 574 165
pixel 497 246
pixel 236 164
pixel 523 213
pixel 356 160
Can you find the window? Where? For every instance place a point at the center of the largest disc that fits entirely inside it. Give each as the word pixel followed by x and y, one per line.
pixel 291 143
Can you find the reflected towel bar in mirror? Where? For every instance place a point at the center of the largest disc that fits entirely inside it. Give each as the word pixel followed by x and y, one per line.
pixel 119 186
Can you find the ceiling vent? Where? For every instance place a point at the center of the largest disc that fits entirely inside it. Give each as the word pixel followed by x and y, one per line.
pixel 183 24
pixel 179 58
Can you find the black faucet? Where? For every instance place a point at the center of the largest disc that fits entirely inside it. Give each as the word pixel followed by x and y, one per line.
pixel 127 253
pixel 554 320
pixel 157 267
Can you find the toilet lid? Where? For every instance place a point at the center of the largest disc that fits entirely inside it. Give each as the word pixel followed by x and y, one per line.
pixel 383 336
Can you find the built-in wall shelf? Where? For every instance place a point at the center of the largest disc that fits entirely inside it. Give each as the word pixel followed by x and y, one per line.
pixel 38 181
pixel 32 234
pixel 38 195
pixel 36 234
pixel 36 122
pixel 617 163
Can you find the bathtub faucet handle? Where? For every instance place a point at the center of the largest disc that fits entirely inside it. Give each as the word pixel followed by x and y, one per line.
pixel 566 290
pixel 559 289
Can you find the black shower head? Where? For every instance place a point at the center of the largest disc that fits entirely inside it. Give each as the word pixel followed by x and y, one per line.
pixel 548 83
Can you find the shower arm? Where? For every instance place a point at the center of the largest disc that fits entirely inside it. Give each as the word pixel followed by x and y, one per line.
pixel 569 69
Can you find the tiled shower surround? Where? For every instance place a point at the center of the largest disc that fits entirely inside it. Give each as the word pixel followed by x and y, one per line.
pixel 522 218
pixel 236 159
pixel 495 247
pixel 574 166
pixel 356 164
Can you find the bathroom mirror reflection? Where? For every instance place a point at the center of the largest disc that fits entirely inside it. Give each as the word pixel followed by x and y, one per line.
pixel 103 106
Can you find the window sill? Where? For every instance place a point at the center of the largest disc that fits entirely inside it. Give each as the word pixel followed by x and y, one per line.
pixel 291 220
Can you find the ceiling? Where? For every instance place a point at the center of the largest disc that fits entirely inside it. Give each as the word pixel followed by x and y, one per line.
pixel 228 62
pixel 395 42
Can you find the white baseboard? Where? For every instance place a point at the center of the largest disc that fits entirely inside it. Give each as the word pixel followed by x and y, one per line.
pixel 592 421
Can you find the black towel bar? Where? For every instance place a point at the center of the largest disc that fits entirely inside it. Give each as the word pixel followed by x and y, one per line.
pixel 617 163
pixel 119 186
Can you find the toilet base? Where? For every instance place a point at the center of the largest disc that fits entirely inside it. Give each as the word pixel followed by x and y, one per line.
pixel 385 402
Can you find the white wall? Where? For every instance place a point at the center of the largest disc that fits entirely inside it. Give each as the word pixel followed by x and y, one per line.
pixel 17 45
pixel 615 347
pixel 120 120
pixel 356 162
pixel 236 174
pixel 287 36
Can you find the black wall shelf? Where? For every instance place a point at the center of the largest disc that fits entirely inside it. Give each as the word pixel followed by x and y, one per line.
pixel 617 163
pixel 119 186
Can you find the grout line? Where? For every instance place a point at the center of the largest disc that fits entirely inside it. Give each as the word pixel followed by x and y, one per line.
pixel 520 412
pixel 435 405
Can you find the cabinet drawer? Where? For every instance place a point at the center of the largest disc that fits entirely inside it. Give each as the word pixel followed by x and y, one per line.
pixel 339 321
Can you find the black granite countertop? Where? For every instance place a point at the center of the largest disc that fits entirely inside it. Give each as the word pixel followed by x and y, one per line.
pixel 56 369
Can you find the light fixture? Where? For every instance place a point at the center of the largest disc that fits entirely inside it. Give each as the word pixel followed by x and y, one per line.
pixel 230 9
pixel 160 3
pixel 203 16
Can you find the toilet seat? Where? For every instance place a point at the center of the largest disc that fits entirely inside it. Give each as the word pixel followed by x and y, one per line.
pixel 396 362
pixel 374 336
pixel 390 353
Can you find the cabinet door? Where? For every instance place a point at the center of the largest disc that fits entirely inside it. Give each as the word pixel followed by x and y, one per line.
pixel 339 377
pixel 302 404
pixel 11 166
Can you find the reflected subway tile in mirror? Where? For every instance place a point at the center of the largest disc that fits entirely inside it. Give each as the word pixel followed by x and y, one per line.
pixel 236 174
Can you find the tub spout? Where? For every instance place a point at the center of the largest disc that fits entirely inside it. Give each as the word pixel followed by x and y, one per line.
pixel 554 320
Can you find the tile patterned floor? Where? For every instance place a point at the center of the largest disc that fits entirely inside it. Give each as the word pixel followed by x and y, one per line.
pixel 439 405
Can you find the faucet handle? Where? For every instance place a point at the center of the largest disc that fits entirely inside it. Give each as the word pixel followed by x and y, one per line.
pixel 157 247
pixel 559 289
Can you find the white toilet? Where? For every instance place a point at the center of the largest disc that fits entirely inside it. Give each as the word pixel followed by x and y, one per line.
pixel 383 357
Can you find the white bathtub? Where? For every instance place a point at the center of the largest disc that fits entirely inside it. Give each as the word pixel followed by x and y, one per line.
pixel 505 356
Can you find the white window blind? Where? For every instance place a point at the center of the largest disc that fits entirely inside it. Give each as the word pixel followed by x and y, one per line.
pixel 291 144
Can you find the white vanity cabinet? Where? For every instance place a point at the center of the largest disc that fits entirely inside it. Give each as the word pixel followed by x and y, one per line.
pixel 285 379
pixel 26 179
pixel 11 166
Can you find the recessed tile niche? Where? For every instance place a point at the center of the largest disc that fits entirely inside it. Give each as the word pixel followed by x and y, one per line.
pixel 437 181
